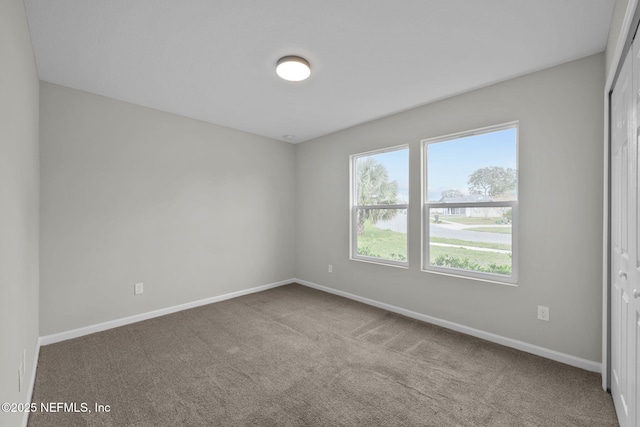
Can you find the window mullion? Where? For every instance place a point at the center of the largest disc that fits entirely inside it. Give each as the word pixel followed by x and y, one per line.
pixel 497 204
pixel 404 206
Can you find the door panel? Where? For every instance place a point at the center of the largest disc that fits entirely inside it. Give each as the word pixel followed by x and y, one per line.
pixel 624 245
pixel 632 268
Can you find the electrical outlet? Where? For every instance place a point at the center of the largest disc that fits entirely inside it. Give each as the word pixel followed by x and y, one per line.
pixel 543 313
pixel 138 289
pixel 330 268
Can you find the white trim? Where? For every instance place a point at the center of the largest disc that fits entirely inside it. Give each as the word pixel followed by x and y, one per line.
pixel 381 261
pixel 86 330
pixel 451 272
pixel 497 204
pixel 472 132
pixel 402 206
pixel 32 383
pixel 378 151
pixel 606 381
pixel 508 342
pixel 617 58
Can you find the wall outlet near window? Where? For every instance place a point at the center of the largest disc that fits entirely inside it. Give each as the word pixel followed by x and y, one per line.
pixel 543 313
pixel 330 268
pixel 138 289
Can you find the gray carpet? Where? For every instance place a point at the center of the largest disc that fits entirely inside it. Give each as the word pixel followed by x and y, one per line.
pixel 294 356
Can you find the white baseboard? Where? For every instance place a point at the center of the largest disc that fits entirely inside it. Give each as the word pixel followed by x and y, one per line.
pixel 32 383
pixel 86 330
pixel 508 342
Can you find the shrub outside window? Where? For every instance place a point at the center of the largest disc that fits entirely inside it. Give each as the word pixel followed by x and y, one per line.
pixel 379 206
pixel 470 213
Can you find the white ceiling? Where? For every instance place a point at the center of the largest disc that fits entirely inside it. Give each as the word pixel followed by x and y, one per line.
pixel 214 60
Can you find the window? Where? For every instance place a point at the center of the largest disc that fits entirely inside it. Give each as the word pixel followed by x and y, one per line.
pixel 470 213
pixel 379 205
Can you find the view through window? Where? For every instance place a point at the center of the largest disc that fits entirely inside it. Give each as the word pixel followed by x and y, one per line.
pixel 380 200
pixel 470 213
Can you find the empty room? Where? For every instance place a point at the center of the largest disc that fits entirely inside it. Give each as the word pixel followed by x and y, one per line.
pixel 319 213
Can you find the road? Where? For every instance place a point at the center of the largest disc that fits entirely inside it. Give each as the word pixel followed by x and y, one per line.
pixel 450 230
pixel 455 232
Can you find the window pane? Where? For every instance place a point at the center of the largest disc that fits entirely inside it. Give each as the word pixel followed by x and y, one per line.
pixel 382 233
pixel 471 239
pixel 383 178
pixel 474 168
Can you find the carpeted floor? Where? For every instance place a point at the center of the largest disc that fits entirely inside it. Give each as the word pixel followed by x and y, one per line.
pixel 294 356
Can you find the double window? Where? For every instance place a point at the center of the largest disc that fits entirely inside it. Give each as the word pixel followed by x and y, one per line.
pixel 380 202
pixel 470 204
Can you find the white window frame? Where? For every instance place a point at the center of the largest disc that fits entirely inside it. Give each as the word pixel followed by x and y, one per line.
pixel 426 205
pixel 353 223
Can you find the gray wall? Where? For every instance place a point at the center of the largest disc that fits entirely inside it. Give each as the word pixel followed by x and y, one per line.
pixel 130 194
pixel 18 204
pixel 560 112
pixel 614 32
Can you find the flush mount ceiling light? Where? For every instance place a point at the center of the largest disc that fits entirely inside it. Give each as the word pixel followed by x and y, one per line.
pixel 293 68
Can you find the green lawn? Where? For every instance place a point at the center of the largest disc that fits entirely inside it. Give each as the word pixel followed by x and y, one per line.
pixel 384 244
pixel 502 230
pixel 502 246
pixel 387 244
pixel 480 257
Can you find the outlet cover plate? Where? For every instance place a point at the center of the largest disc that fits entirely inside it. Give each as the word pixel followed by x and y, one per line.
pixel 543 313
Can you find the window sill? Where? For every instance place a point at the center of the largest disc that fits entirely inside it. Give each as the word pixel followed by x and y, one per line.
pixel 497 281
pixel 379 261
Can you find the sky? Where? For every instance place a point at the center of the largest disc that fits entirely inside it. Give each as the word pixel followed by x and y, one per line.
pixel 397 164
pixel 450 162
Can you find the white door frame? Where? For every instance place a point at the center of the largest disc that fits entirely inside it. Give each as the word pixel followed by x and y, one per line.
pixel 606 267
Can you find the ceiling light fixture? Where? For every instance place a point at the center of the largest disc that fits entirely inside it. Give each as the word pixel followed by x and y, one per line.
pixel 293 68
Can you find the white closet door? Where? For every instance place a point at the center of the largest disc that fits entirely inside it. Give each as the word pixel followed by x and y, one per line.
pixel 633 274
pixel 623 243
